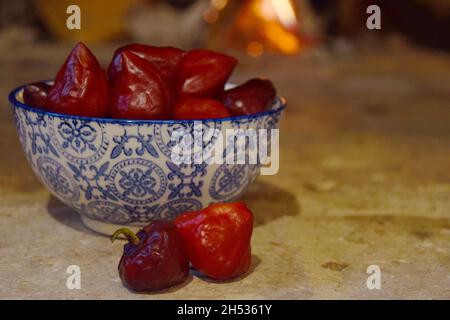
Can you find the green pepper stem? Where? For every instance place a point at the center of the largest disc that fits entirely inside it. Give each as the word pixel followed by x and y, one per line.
pixel 130 235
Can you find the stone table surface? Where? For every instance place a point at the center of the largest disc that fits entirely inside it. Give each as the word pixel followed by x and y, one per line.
pixel 364 180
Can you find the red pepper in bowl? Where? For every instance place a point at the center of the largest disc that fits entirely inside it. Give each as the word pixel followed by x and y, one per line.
pixel 203 73
pixel 80 86
pixel 217 239
pixel 166 61
pixel 251 97
pixel 196 108
pixel 137 89
pixel 36 93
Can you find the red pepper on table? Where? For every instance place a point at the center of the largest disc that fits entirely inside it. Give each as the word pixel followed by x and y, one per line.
pixel 249 98
pixel 137 89
pixel 154 258
pixel 217 239
pixel 80 86
pixel 203 73
pixel 196 108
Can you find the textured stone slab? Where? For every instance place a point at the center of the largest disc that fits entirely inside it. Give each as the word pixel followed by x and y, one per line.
pixel 364 180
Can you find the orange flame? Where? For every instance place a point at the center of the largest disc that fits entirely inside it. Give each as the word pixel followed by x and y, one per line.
pixel 268 25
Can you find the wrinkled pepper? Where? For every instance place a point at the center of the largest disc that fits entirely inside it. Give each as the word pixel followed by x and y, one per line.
pixel 217 239
pixel 154 258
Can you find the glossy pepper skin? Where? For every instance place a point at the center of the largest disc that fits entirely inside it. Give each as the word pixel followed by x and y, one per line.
pixel 137 89
pixel 36 93
pixel 196 108
pixel 249 98
pixel 80 87
pixel 203 73
pixel 154 258
pixel 217 239
pixel 166 61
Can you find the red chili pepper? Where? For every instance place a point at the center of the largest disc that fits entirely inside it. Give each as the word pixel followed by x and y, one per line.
pixel 138 89
pixel 196 108
pixel 165 59
pixel 217 239
pixel 249 98
pixel 80 86
pixel 154 258
pixel 203 73
pixel 36 93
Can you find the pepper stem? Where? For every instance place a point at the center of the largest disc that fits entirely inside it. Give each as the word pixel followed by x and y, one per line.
pixel 130 235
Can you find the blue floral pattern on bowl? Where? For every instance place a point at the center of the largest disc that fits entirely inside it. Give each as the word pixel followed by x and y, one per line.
pixel 119 172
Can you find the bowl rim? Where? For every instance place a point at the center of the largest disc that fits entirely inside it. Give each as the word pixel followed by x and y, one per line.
pixel 12 97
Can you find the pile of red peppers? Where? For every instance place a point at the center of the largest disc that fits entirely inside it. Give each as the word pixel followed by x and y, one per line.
pixel 215 241
pixel 147 82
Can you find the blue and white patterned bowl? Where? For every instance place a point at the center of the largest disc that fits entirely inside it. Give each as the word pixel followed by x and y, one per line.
pixel 119 172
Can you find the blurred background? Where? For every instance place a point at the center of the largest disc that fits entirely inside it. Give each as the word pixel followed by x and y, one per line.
pixel 255 26
pixel 247 28
pixel 364 159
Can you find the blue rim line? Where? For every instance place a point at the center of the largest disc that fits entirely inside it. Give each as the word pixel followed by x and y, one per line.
pixel 12 97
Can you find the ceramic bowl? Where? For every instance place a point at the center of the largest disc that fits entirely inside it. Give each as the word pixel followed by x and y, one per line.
pixel 120 172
